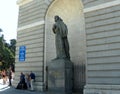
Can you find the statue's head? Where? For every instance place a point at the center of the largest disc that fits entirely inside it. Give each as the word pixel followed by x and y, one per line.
pixel 57 18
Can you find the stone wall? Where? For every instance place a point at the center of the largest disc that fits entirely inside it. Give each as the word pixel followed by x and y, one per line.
pixel 103 47
pixel 30 34
pixel 91 3
pixel 31 12
pixel 101 37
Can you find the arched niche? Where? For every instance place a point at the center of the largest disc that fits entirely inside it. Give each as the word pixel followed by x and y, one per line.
pixel 71 11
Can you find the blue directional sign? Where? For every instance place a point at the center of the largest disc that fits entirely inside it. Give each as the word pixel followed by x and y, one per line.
pixel 22 53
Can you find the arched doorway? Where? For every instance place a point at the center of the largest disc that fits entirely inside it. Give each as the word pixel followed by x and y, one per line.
pixel 71 11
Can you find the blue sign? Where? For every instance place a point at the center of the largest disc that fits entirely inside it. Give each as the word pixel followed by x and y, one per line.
pixel 22 53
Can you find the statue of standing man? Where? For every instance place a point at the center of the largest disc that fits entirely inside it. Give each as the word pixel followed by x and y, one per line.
pixel 62 46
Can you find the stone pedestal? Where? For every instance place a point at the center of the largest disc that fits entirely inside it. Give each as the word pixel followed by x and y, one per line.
pixel 60 76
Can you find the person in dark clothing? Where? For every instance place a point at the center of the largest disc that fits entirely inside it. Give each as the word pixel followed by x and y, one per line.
pixel 10 76
pixel 22 84
pixel 22 78
pixel 32 79
pixel 32 75
pixel 11 73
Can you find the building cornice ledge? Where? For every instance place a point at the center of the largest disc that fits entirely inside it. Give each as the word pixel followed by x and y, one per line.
pixel 23 2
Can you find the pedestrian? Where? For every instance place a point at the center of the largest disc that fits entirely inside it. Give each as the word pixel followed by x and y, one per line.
pixel 10 76
pixel 4 76
pixel 27 80
pixel 32 79
pixel 11 73
pixel 22 84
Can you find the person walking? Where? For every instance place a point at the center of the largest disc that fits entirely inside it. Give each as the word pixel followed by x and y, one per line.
pixel 10 76
pixel 32 79
pixel 27 80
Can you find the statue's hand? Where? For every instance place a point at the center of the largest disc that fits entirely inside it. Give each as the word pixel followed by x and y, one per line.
pixel 53 30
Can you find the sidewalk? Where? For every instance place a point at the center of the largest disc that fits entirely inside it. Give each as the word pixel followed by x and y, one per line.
pixel 5 89
pixel 11 90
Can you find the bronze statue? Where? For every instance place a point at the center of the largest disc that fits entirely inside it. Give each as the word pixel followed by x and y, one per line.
pixel 62 46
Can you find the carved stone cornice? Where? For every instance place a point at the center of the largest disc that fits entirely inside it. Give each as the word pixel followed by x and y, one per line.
pixel 23 2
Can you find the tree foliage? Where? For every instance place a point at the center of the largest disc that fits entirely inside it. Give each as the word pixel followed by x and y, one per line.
pixel 7 52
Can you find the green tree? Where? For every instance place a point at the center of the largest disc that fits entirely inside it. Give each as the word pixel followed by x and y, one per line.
pixel 13 45
pixel 7 52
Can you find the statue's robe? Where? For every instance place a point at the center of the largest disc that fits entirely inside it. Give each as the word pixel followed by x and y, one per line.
pixel 61 41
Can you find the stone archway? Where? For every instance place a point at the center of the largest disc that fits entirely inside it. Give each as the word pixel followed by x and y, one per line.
pixel 71 11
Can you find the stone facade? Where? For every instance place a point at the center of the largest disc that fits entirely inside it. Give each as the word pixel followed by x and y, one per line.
pixel 30 34
pixel 102 37
pixel 93 35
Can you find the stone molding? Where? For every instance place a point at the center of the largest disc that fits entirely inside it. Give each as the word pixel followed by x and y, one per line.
pixel 31 25
pixel 102 6
pixel 102 89
pixel 23 2
pixel 107 87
